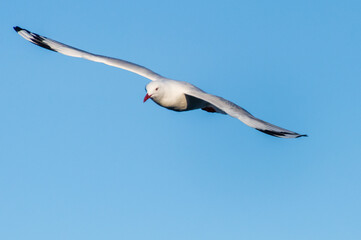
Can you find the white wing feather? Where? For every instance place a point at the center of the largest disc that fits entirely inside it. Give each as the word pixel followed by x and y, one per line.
pixel 237 112
pixel 74 52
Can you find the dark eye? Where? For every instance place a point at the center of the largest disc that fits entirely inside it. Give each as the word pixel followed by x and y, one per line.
pixel 156 89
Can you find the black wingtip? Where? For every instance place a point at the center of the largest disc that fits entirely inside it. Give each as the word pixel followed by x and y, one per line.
pixel 281 134
pixel 17 29
pixel 35 38
pixel 272 133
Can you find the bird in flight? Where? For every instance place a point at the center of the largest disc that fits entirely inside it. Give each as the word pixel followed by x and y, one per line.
pixel 171 94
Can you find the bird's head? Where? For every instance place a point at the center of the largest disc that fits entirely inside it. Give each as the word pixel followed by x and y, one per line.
pixel 155 90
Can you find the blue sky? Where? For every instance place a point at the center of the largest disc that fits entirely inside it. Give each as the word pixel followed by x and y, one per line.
pixel 83 158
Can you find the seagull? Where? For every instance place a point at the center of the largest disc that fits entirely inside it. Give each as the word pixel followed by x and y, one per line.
pixel 172 94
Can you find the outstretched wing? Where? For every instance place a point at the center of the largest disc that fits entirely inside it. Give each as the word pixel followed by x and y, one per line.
pixel 237 112
pixel 74 52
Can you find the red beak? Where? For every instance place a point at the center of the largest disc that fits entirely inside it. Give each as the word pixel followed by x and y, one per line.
pixel 146 97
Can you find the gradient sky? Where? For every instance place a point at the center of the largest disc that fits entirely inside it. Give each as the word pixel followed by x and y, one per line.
pixel 82 157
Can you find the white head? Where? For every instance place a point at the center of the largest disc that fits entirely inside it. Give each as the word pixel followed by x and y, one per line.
pixel 155 91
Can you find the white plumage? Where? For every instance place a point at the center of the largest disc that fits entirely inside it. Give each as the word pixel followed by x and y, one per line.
pixel 168 93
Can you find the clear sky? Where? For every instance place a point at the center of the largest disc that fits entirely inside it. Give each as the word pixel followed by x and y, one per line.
pixel 82 157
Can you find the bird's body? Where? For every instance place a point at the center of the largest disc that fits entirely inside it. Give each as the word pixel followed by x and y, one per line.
pixel 171 94
pixel 173 98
